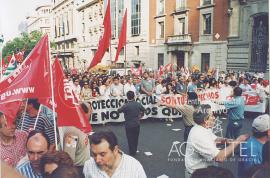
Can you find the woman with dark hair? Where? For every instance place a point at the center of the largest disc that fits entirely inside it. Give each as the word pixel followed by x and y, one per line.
pixel 52 160
pixel 65 172
pixel 169 89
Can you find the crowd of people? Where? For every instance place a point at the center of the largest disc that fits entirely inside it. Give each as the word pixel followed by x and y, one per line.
pixel 29 144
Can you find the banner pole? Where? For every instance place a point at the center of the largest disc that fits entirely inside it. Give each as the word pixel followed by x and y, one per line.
pixel 37 117
pixel 53 103
pixel 23 114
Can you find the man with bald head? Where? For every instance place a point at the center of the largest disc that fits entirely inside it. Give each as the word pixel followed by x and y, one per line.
pixel 37 145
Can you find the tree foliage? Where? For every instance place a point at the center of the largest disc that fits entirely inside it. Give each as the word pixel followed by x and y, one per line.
pixel 25 42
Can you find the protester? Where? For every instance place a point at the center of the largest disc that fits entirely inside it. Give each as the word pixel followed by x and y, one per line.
pixel 117 89
pixel 132 113
pixel 245 85
pixel 77 88
pixel 36 120
pixel 76 143
pixel 251 152
pixel 236 108
pixel 147 84
pixel 109 161
pixel 86 93
pixel 105 89
pixel 37 145
pixel 192 92
pixel 129 86
pixel 187 113
pixel 65 172
pixel 201 149
pixel 52 160
pixel 13 142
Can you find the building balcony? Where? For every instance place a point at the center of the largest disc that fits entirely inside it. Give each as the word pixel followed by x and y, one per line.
pixel 176 39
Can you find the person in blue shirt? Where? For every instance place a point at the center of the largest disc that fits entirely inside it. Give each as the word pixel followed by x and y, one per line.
pixel 251 151
pixel 245 85
pixel 192 92
pixel 235 110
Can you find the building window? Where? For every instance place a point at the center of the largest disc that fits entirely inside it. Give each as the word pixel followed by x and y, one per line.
pixel 113 17
pixel 137 50
pixel 180 5
pixel 83 27
pixel 206 2
pixel 182 26
pixel 83 38
pixel 120 15
pixel 94 51
pixel 161 5
pixel 161 28
pixel 160 59
pixel 82 15
pixel 205 62
pixel 135 17
pixel 206 23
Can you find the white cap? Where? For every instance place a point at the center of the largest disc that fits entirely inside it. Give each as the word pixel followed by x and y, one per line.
pixel 261 123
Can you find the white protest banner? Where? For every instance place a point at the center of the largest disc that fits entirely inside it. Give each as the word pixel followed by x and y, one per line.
pixel 105 109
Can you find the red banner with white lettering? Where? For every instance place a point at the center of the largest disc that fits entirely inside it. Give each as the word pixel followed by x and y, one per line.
pixel 31 79
pixel 69 111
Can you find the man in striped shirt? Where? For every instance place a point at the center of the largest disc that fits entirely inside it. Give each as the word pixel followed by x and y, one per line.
pixel 108 161
pixel 35 120
pixel 37 145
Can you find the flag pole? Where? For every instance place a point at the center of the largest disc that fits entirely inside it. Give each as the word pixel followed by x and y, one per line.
pixel 23 115
pixel 37 117
pixel 53 103
pixel 1 43
pixel 126 59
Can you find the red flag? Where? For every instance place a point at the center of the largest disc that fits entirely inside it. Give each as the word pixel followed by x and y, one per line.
pixel 10 110
pixel 123 37
pixel 69 111
pixel 104 43
pixel 31 79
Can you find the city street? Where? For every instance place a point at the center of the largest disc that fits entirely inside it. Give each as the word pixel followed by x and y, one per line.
pixel 157 137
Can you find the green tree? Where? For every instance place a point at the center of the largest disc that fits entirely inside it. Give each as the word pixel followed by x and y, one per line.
pixel 25 42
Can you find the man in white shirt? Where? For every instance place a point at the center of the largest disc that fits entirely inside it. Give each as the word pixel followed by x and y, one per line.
pixel 108 161
pixel 117 89
pixel 77 88
pixel 245 86
pixel 129 86
pixel 201 150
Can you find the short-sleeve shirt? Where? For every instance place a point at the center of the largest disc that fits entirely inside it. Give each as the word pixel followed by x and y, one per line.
pixel 148 85
pixel 250 155
pixel 26 170
pixel 128 167
pixel 187 112
pixel 43 125
pixel 201 149
pixel 12 154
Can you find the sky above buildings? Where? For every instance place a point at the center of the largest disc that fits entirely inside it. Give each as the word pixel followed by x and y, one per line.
pixel 13 12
